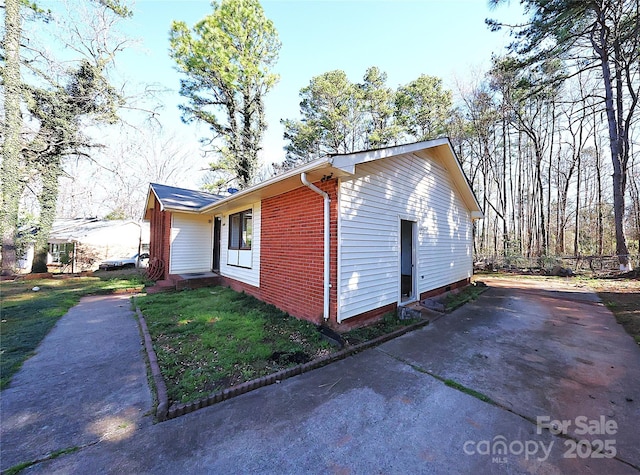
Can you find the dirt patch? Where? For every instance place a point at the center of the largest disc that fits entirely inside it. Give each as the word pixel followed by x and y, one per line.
pixel 285 359
pixel 620 294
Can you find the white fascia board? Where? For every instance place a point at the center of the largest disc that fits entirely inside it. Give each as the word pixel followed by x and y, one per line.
pixel 158 200
pixel 462 177
pixel 146 203
pixel 318 163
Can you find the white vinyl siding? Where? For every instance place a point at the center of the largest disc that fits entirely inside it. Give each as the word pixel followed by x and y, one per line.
pixel 371 205
pixel 191 243
pixel 242 265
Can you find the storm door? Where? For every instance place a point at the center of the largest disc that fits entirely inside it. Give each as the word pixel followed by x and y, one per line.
pixel 216 244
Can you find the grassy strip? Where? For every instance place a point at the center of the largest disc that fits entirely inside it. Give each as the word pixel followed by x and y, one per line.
pixel 622 297
pixel 389 323
pixel 213 338
pixel 627 313
pixel 21 466
pixel 471 392
pixel 467 294
pixel 210 339
pixel 28 316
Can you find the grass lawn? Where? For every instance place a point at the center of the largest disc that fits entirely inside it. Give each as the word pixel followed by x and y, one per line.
pixel 28 316
pixel 210 339
pixel 622 296
pixel 213 338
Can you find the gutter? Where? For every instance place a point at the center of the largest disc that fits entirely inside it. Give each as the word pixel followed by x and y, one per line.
pixel 327 228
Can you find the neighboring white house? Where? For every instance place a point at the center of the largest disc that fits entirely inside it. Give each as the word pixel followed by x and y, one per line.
pixel 82 243
pixel 341 240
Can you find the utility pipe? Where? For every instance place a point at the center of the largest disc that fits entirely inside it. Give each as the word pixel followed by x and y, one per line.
pixel 327 229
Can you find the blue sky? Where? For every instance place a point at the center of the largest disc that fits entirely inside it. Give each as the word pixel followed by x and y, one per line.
pixel 445 38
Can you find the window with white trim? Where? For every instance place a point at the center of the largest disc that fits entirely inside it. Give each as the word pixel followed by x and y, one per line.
pixel 241 230
pixel 240 237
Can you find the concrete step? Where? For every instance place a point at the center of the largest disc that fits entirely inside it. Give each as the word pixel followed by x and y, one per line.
pixel 161 286
pixel 177 282
pixel 198 283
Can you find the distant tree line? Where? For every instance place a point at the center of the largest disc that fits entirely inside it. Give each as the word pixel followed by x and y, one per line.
pixel 573 63
pixel 535 151
pixel 338 116
pixel 539 164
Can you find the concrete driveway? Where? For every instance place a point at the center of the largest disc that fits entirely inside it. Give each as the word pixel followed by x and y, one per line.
pixel 477 391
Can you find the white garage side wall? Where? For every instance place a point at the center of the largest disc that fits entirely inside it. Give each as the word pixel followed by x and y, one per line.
pixel 248 275
pixel 372 203
pixel 191 243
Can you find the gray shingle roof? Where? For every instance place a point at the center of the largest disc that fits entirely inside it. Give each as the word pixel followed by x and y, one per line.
pixel 183 199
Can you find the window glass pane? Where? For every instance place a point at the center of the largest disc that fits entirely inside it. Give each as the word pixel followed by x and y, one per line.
pixel 247 229
pixel 241 230
pixel 234 231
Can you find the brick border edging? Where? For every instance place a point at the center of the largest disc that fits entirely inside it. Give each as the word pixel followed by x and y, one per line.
pixel 163 412
pixel 158 381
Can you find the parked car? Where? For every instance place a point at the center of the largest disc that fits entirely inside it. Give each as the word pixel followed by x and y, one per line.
pixel 125 262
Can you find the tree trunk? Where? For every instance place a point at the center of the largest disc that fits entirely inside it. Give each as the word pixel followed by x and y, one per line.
pixel 615 143
pixel 578 161
pixel 549 177
pixel 47 199
pixel 12 126
pixel 543 227
pixel 635 206
pixel 505 198
pixel 511 188
pixel 576 236
pixel 520 197
pixel 562 207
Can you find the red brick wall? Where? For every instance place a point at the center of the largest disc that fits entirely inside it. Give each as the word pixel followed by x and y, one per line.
pixel 357 321
pixel 160 236
pixel 241 287
pixel 366 318
pixel 445 288
pixel 370 317
pixel 292 249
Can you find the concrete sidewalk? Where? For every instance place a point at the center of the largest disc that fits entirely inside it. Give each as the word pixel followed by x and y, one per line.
pixel 86 383
pixel 535 352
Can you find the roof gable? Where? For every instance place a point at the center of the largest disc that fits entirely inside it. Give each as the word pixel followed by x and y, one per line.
pixel 348 161
pixel 440 149
pixel 338 165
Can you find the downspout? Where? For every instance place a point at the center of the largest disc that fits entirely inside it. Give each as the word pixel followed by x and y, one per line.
pixel 327 251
